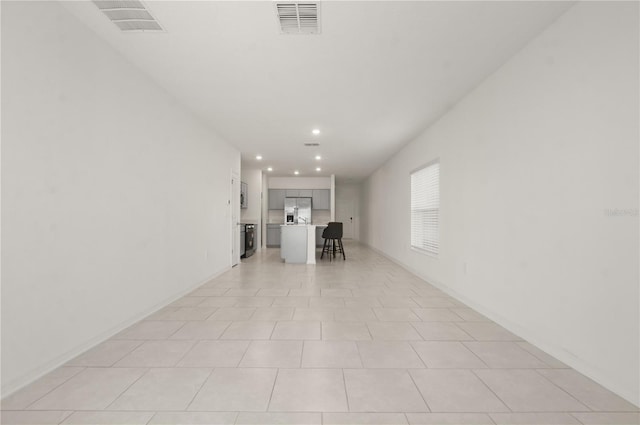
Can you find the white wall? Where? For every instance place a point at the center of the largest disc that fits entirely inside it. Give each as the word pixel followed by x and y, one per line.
pixel 350 192
pixel 530 163
pixel 299 183
pixel 253 212
pixel 114 196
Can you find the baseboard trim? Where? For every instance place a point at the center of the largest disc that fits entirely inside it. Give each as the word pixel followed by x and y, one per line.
pixel 559 353
pixel 17 384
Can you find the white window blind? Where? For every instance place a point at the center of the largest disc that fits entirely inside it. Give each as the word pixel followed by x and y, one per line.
pixel 425 208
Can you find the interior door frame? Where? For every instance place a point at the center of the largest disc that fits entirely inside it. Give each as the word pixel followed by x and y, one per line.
pixel 234 217
pixel 347 221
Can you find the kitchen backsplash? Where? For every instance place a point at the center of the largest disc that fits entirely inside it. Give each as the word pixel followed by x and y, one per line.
pixel 276 216
pixel 317 216
pixel 320 216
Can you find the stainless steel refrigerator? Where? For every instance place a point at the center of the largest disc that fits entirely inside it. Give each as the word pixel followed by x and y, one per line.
pixel 297 210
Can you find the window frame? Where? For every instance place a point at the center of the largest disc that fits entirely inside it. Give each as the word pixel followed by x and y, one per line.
pixel 423 251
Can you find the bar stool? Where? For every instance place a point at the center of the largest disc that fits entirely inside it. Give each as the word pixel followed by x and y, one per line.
pixel 333 240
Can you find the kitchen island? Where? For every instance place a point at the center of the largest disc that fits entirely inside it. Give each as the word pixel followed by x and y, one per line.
pixel 298 243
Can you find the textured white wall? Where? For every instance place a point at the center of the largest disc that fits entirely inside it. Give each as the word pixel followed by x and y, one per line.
pixel 114 197
pixel 350 192
pixel 253 214
pixel 531 162
pixel 299 183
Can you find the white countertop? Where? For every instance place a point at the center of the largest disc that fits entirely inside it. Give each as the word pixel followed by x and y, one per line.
pixel 302 225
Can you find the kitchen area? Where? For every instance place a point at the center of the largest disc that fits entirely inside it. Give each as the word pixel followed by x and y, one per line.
pixel 265 204
pixel 297 218
pixel 294 211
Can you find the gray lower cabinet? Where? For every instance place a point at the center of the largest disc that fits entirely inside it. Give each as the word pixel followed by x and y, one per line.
pixel 273 235
pixel 321 199
pixel 319 240
pixel 276 199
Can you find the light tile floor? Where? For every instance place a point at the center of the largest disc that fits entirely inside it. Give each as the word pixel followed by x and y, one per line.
pixel 360 341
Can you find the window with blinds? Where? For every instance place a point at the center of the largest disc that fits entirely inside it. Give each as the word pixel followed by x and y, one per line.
pixel 425 208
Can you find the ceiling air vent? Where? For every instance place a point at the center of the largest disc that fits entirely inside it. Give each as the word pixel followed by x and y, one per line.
pixel 312 144
pixel 299 18
pixel 128 15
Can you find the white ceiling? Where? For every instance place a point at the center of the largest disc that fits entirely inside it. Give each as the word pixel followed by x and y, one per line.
pixel 379 73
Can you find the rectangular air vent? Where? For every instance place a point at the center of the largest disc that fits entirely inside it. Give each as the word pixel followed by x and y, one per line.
pixel 128 15
pixel 312 144
pixel 299 18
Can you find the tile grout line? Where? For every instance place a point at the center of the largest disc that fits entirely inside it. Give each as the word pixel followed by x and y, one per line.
pixel 463 343
pixel 410 343
pixel 473 371
pixel 456 314
pixel 359 353
pixel 193 345
pixel 346 394
pixel 422 338
pixel 147 370
pixel 52 389
pixel 518 343
pixel 562 389
pixel 70 412
pixel 223 331
pixel 244 353
pixel 275 325
pixel 473 338
pixel 366 324
pixel 491 418
pixel 235 418
pixel 174 332
pixel 273 387
pixel 151 418
pixel 418 389
pixel 572 414
pixel 204 381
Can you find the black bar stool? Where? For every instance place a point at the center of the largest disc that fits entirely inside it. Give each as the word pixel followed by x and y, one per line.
pixel 333 240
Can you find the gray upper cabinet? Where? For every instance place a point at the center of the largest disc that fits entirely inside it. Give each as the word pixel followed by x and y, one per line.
pixel 321 199
pixel 276 199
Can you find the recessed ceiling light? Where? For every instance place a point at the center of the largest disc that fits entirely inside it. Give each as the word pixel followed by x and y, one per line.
pixel 270 169
pixel 315 131
pixel 318 157
pixel 296 172
pixel 318 169
pixel 258 157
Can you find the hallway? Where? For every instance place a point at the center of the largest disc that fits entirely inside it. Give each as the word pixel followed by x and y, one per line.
pixel 343 342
